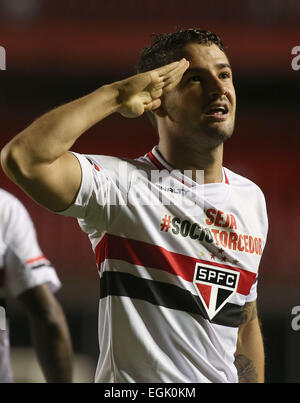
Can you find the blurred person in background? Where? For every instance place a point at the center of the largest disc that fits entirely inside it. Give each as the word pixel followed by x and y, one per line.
pixel 178 286
pixel 27 275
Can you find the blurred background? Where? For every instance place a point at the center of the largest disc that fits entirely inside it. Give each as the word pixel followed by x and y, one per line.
pixel 57 51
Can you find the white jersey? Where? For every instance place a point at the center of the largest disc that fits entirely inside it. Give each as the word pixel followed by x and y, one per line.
pixel 22 265
pixel 177 262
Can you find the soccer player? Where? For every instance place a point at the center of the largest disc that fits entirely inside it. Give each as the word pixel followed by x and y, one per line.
pixel 177 237
pixel 28 275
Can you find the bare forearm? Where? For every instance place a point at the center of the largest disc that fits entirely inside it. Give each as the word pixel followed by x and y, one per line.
pixel 54 133
pixel 37 159
pixel 249 357
pixel 54 350
pixel 249 370
pixel 49 137
pixel 251 360
pixel 50 332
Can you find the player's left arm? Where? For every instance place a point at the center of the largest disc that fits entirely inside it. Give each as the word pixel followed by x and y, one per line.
pixel 50 333
pixel 249 355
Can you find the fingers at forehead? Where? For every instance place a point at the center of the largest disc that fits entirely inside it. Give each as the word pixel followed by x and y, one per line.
pixel 173 79
pixel 175 76
pixel 176 72
pixel 169 68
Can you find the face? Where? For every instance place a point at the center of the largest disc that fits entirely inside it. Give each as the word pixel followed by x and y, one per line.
pixel 202 106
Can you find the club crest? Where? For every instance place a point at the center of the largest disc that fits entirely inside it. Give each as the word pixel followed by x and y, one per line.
pixel 215 286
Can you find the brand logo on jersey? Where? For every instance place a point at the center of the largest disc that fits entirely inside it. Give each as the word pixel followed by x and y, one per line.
pixel 172 190
pixel 214 286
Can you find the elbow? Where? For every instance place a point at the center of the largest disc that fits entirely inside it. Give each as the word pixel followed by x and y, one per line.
pixel 12 162
pixel 5 157
pixel 9 161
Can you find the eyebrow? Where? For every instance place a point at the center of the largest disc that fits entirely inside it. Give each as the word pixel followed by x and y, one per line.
pixel 219 66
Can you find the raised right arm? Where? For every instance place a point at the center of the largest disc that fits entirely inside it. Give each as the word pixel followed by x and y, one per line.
pixel 37 159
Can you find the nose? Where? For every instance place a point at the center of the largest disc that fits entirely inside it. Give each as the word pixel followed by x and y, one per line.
pixel 215 87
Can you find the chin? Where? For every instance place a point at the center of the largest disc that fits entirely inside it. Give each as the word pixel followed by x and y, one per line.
pixel 215 136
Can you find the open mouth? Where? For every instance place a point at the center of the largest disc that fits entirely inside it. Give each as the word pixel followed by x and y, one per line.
pixel 217 111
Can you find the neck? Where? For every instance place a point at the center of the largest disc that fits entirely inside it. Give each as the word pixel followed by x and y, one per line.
pixel 183 157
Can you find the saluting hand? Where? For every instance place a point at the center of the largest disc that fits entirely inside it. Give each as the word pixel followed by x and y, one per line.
pixel 142 92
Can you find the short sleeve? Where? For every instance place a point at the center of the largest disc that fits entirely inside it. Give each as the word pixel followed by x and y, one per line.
pixel 263 219
pixel 24 262
pixel 103 191
pixel 252 296
pixel 93 189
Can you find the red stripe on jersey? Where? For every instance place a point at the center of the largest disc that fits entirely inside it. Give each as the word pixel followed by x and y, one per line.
pixel 149 255
pixel 160 166
pixel 155 161
pixel 36 259
pixel 226 179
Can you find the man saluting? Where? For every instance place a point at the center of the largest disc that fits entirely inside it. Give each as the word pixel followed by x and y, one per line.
pixel 176 303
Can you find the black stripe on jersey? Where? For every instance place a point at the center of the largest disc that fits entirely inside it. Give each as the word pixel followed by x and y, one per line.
pixel 164 294
pixel 41 265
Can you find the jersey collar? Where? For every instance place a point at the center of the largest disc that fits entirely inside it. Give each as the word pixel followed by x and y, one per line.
pixel 158 160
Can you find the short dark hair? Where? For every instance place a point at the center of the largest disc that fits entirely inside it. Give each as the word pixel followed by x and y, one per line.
pixel 165 47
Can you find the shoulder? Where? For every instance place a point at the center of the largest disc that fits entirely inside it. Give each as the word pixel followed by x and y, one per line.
pixel 111 162
pixel 6 197
pixel 14 218
pixel 248 194
pixel 240 181
pixel 13 213
pixel 9 203
pixel 117 169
